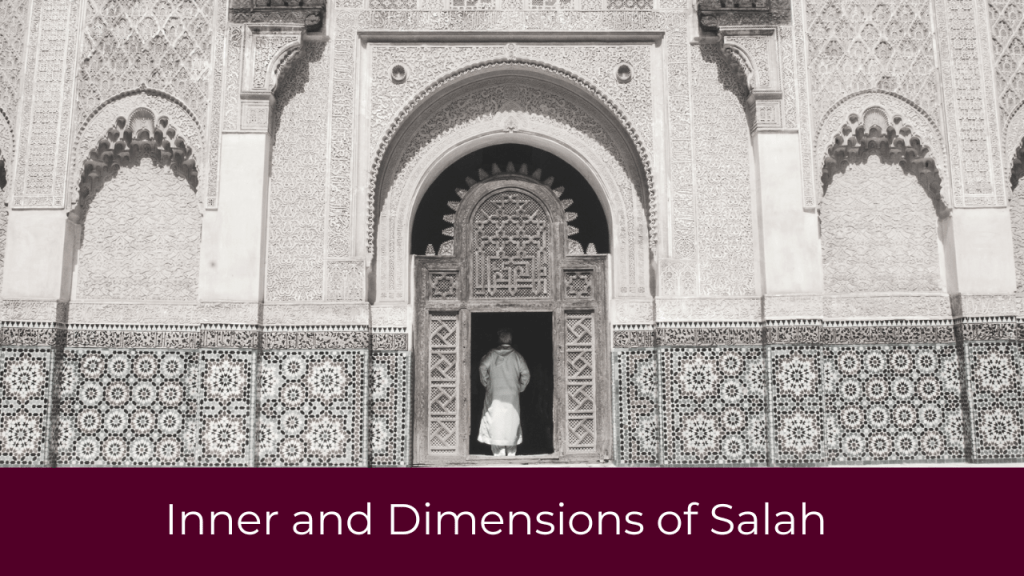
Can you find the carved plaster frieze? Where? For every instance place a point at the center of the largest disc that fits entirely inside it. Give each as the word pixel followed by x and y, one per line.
pixel 389 316
pixel 316 314
pixel 633 312
pixel 306 13
pixel 162 313
pixel 868 306
pixel 798 306
pixel 987 306
pixel 708 309
pixel 48 311
pixel 230 313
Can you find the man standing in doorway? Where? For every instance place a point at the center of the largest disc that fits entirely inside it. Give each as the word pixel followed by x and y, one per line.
pixel 504 374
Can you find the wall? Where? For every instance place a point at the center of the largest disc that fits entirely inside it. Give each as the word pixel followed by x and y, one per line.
pixel 716 371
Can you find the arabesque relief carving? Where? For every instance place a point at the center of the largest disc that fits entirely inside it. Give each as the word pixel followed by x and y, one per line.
pixel 601 62
pixel 545 111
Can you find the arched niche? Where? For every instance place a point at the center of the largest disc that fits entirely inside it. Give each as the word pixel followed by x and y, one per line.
pixel 138 214
pixel 881 203
pixel 510 104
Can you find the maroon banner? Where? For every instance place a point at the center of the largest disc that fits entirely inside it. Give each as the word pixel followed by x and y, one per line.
pixel 842 520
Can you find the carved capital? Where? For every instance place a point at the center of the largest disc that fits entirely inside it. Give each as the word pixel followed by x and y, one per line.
pixel 267 50
pixel 755 52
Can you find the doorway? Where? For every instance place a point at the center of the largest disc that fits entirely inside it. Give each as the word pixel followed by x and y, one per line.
pixel 531 337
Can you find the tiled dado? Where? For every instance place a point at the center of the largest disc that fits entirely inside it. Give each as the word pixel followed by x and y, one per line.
pixel 210 395
pixel 819 392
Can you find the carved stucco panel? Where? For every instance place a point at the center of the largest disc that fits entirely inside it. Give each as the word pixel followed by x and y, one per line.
pixel 216 110
pixel 724 219
pixel 51 70
pixel 1006 20
pixel 426 64
pixel 140 238
pixel 1017 225
pixel 541 109
pixel 887 306
pixel 679 277
pixel 297 197
pixel 161 105
pixel 805 121
pixel 233 77
pixel 340 235
pixel 14 16
pixel 970 106
pixel 856 45
pixel 346 280
pixel 878 232
pixel 434 19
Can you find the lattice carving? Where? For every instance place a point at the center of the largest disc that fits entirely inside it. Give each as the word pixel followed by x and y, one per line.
pixel 873 133
pixel 511 248
pixel 581 402
pixel 153 43
pixel 444 285
pixel 442 401
pixel 1006 17
pixel 579 284
pixel 130 140
pixel 856 45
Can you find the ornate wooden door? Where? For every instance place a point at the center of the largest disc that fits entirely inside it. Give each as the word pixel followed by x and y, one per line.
pixel 511 251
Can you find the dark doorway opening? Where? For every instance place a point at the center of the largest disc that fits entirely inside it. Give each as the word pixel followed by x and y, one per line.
pixel 531 337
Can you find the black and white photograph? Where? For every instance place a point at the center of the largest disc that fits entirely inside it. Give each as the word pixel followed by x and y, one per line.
pixel 501 248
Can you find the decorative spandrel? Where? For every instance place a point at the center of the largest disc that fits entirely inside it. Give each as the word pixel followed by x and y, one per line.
pixel 511 248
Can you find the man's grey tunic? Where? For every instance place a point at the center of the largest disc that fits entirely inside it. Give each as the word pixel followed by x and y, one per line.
pixel 504 374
